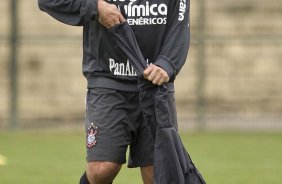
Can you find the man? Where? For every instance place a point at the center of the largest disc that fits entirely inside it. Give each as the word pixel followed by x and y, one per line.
pixel 113 115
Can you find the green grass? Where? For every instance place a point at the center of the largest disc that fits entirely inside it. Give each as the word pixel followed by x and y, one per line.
pixel 223 158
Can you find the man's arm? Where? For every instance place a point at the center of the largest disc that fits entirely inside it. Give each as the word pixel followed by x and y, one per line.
pixel 77 12
pixel 175 45
pixel 72 12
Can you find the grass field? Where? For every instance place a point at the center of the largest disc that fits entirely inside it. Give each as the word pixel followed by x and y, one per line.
pixel 223 158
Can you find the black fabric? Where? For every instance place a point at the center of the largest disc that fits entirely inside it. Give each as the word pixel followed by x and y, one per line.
pixel 72 12
pixel 172 163
pixel 83 179
pixel 161 28
pixel 119 122
pixel 124 35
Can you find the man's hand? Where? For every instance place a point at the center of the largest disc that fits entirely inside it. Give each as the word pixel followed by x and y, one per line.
pixel 109 15
pixel 156 74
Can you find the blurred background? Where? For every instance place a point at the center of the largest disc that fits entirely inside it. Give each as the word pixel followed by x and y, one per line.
pixel 231 78
pixel 230 83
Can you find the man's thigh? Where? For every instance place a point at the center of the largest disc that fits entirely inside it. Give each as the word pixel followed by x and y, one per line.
pixel 109 125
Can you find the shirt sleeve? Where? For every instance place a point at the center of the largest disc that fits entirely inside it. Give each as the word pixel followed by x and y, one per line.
pixel 176 41
pixel 72 12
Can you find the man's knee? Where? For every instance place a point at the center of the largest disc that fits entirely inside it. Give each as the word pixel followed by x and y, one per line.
pixel 102 172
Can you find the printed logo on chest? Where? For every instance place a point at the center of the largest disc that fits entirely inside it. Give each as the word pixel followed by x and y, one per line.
pixel 148 13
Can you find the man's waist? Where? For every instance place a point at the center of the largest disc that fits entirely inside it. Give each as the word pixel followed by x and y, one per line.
pixel 112 83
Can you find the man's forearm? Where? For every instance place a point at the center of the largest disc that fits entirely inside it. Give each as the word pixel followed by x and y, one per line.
pixel 72 12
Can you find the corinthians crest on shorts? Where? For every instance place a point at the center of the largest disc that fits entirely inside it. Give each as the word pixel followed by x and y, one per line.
pixel 92 131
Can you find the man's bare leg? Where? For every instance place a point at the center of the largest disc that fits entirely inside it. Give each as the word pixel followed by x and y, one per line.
pixel 102 172
pixel 147 174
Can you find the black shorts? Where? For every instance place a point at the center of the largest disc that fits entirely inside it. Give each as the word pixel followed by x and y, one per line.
pixel 114 121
